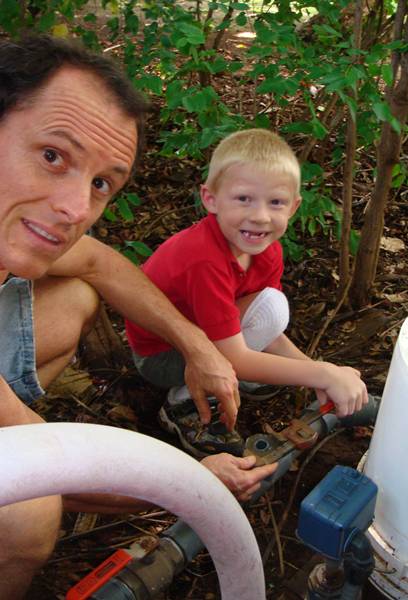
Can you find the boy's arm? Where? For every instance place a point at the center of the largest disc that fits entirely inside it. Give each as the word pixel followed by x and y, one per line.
pixel 341 384
pixel 283 346
pixel 130 292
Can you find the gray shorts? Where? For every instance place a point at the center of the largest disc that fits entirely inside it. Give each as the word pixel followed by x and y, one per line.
pixel 17 348
pixel 164 370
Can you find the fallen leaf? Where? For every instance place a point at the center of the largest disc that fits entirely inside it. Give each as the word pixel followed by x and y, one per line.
pixel 392 244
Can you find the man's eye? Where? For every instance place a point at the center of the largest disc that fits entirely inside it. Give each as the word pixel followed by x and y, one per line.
pixel 101 185
pixel 51 156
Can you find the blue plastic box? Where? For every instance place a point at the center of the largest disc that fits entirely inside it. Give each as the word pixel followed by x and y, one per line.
pixel 340 504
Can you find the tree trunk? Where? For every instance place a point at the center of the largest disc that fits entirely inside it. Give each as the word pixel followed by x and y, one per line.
pixel 388 153
pixel 351 144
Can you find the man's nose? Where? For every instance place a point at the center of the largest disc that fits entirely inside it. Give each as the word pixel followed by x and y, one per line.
pixel 73 201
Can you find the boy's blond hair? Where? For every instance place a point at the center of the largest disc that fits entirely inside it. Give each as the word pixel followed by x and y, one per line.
pixel 259 147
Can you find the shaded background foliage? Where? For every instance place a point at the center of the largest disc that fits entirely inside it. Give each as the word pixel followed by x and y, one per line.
pixel 341 64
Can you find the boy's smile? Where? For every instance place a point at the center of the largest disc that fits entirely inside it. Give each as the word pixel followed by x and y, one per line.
pixel 253 206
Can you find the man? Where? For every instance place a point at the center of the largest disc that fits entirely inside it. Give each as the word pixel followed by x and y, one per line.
pixel 69 129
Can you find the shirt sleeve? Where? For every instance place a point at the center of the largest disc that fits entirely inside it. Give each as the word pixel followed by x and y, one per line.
pixel 211 297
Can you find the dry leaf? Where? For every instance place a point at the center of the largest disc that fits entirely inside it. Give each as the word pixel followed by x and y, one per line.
pixel 392 244
pixel 122 413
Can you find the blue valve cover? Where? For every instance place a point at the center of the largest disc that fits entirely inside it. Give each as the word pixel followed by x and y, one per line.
pixel 340 504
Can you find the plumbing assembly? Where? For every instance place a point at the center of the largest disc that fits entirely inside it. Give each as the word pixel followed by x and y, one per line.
pixel 333 519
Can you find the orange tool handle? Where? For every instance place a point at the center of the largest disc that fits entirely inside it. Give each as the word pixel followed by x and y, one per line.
pixel 99 576
pixel 326 408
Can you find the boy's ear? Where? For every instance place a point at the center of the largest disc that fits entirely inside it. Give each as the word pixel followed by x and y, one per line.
pixel 208 199
pixel 296 203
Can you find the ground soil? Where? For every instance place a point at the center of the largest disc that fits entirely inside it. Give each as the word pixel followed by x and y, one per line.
pixel 361 338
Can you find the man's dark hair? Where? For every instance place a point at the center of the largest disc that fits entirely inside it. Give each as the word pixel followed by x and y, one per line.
pixel 27 65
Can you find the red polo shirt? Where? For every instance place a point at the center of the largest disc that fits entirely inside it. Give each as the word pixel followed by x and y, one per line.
pixel 199 274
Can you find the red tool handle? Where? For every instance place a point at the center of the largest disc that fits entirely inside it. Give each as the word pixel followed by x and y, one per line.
pixel 99 576
pixel 326 408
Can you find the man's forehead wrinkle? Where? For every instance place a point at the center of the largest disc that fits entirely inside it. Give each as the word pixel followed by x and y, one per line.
pixel 87 115
pixel 94 127
pixel 63 99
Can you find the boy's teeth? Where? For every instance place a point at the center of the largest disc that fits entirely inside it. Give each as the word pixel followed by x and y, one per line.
pixel 251 234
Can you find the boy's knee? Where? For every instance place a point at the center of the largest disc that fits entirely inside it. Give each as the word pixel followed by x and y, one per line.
pixel 29 531
pixel 265 319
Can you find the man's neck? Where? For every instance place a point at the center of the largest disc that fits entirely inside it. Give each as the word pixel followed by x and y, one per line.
pixel 3 276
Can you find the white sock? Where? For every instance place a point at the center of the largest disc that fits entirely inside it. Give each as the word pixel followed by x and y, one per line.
pixel 178 394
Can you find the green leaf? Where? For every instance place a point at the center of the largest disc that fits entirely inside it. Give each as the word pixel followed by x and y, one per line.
pixel 110 215
pixel 311 171
pixel 298 127
pixel 132 23
pixel 241 19
pixel 131 255
pixel 90 18
pixel 318 129
pixel 262 121
pixel 133 199
pixel 387 75
pixel 124 209
pixel 383 113
pixel 140 247
pixel 150 82
pixel 354 241
pixel 193 34
pixel 47 21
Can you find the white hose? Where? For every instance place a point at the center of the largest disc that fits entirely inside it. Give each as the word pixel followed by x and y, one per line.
pixel 65 458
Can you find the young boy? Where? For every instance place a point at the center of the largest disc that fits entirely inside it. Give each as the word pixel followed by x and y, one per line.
pixel 223 273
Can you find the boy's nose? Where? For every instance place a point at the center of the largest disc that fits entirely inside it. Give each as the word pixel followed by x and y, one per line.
pixel 260 213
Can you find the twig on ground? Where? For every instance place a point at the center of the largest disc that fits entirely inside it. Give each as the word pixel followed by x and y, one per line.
pixel 277 539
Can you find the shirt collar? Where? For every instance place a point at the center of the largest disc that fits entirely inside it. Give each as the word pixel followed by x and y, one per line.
pixel 221 241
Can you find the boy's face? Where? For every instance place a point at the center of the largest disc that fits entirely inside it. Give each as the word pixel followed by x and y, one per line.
pixel 253 207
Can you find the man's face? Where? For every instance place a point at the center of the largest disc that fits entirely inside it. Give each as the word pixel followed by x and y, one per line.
pixel 62 157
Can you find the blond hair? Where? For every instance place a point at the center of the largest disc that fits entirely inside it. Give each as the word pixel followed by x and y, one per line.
pixel 259 147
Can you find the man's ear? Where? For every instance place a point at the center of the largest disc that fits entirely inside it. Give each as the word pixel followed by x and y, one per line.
pixel 296 203
pixel 208 199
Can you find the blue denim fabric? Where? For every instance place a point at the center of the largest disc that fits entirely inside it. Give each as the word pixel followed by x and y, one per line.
pixel 17 348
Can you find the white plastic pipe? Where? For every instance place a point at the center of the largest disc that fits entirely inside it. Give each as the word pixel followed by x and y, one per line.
pixel 65 458
pixel 386 464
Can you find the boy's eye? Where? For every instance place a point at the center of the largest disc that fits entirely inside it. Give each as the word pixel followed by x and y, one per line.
pixel 243 198
pixel 101 185
pixel 276 202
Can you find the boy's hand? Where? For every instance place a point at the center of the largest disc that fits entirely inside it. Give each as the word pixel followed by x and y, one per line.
pixel 211 374
pixel 238 474
pixel 345 388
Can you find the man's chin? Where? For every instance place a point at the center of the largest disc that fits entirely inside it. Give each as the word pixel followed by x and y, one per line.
pixel 27 271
